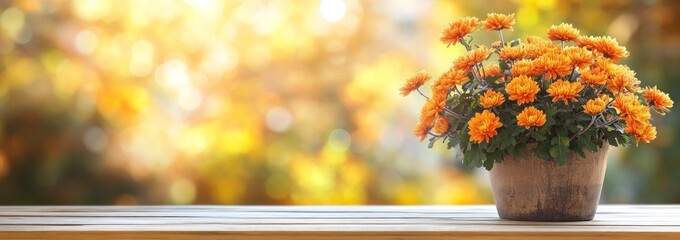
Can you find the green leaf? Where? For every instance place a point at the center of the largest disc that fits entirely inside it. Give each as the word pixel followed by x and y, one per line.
pixel 470 76
pixel 538 136
pixel 588 144
pixel 488 164
pixel 542 151
pixel 504 66
pixel 517 131
pixel 560 149
pixel 432 141
pixel 474 157
pixel 574 128
pixel 611 137
pixel 514 42
pixel 580 152
pixel 453 141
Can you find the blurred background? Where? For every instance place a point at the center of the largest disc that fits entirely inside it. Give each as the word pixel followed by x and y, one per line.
pixel 276 102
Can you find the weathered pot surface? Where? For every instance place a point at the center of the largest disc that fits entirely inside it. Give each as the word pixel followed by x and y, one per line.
pixel 532 189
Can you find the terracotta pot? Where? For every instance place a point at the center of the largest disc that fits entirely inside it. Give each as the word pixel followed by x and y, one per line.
pixel 532 189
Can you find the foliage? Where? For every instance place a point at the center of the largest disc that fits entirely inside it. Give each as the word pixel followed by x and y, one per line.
pixel 568 92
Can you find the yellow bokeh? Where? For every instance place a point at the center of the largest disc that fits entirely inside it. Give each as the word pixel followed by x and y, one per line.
pixel 254 102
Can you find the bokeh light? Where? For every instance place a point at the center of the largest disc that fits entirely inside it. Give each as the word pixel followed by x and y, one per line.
pixel 274 102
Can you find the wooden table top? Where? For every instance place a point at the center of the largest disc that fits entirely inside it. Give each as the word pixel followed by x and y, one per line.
pixel 325 222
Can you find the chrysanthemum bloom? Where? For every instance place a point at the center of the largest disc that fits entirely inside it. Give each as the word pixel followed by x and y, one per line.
pixel 523 67
pixel 563 32
pixel 630 109
pixel 593 77
pixel 657 98
pixel 594 106
pixel 458 29
pixel 492 70
pixel 495 22
pixel 608 46
pixel 536 39
pixel 621 78
pixel 448 80
pixel 421 130
pixel 604 97
pixel 441 126
pixel 579 57
pixel 642 131
pixel 531 117
pixel 472 58
pixel 565 91
pixel 491 99
pixel 611 49
pixel 637 114
pixel 538 47
pixel 483 126
pixel 553 65
pixel 586 41
pixel 414 82
pixel 523 89
pixel 432 108
pixel 497 44
pixel 512 53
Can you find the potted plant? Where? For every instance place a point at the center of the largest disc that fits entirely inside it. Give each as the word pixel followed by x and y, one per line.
pixel 538 113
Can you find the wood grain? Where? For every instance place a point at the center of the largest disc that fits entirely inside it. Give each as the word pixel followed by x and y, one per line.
pixel 324 222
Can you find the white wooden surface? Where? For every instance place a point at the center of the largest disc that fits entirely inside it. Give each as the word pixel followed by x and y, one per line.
pixel 327 222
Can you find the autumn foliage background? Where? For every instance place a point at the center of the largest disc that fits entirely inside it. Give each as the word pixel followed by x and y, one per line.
pixel 266 102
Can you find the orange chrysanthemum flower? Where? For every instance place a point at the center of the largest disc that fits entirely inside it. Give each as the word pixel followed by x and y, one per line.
pixel 472 58
pixel 492 70
pixel 608 46
pixel 483 126
pixel 441 126
pixel 536 39
pixel 448 80
pixel 531 117
pixel 421 130
pixel 458 29
pixel 491 99
pixel 642 131
pixel 579 57
pixel 630 109
pixel 621 78
pixel 512 53
pixel 604 97
pixel 523 89
pixel 592 77
pixel 625 103
pixel 562 32
pixel 586 41
pixel 537 47
pixel 497 22
pixel 594 106
pixel 414 82
pixel 657 98
pixel 565 91
pixel 523 67
pixel 553 65
pixel 432 108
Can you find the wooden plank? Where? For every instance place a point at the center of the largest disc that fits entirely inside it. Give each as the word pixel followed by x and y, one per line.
pixel 327 222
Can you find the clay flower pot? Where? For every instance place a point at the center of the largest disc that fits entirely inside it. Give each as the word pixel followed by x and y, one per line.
pixel 532 189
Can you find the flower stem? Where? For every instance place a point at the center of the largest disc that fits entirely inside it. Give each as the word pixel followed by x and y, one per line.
pixel 421 93
pixel 466 44
pixel 500 35
pixel 449 111
pixel 592 120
